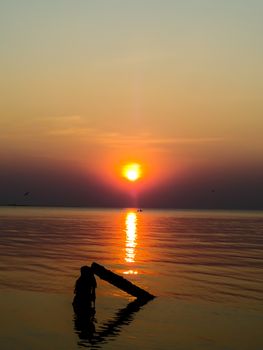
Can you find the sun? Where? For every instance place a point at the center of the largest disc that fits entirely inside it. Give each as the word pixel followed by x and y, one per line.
pixel 131 171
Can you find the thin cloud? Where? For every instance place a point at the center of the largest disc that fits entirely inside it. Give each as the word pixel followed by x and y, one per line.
pixel 71 132
pixel 118 140
pixel 114 139
pixel 78 128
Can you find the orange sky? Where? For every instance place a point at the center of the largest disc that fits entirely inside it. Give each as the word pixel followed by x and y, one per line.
pixel 176 87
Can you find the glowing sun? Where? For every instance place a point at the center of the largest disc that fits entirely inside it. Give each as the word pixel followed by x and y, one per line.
pixel 131 171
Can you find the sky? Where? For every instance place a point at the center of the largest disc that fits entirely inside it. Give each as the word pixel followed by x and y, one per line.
pixel 87 86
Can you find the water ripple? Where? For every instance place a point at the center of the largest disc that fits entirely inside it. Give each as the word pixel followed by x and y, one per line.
pixel 185 255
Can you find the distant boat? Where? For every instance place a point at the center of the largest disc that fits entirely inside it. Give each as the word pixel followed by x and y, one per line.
pixel 139 210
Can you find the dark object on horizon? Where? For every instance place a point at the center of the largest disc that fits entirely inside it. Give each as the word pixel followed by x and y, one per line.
pixel 120 282
pixel 139 210
pixel 85 295
pixel 26 194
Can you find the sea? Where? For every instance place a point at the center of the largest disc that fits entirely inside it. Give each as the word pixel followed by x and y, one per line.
pixel 204 267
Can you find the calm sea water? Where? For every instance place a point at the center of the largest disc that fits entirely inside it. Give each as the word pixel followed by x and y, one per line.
pixel 205 267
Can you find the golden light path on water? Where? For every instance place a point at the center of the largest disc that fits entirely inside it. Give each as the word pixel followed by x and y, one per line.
pixel 130 242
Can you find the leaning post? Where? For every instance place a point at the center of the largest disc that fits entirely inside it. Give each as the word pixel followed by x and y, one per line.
pixel 120 282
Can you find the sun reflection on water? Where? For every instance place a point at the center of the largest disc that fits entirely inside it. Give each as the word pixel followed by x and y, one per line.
pixel 130 243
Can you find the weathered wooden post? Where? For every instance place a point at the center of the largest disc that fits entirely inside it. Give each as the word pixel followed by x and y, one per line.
pixel 120 282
